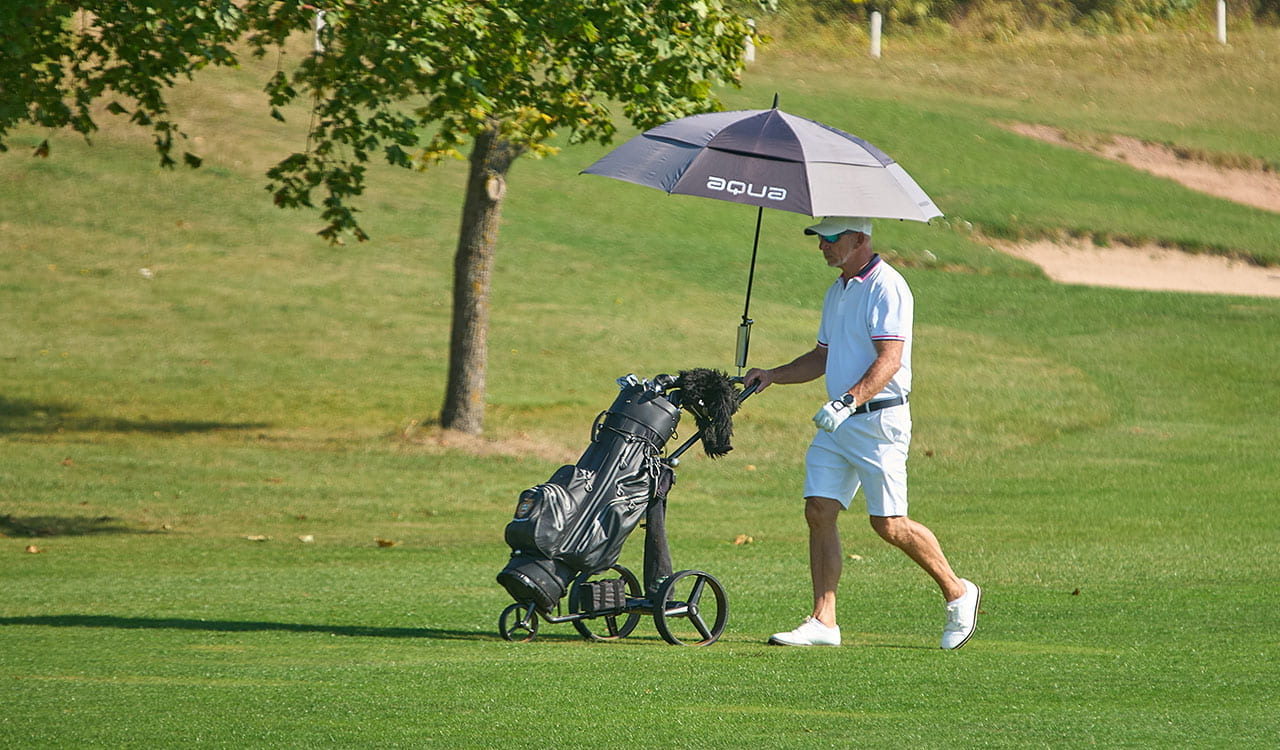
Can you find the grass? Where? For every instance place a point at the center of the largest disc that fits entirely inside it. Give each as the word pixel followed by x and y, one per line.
pixel 1099 460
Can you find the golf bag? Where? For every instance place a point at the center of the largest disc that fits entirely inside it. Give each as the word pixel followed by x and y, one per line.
pixel 577 521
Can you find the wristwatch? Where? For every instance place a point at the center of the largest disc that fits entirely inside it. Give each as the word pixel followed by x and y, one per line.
pixel 848 400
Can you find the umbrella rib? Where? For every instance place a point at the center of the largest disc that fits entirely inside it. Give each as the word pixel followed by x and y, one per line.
pixel 849 163
pixel 667 139
pixel 766 157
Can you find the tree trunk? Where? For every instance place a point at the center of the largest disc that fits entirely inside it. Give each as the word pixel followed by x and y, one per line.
pixel 491 159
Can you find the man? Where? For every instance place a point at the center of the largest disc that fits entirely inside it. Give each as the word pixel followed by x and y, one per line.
pixel 864 351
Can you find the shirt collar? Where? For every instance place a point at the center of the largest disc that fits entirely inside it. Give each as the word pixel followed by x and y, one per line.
pixel 866 270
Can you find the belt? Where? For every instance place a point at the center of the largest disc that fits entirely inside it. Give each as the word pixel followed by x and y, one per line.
pixel 885 403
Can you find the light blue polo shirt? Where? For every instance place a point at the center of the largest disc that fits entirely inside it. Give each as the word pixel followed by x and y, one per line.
pixel 875 305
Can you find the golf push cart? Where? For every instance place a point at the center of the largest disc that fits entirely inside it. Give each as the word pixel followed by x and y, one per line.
pixel 567 533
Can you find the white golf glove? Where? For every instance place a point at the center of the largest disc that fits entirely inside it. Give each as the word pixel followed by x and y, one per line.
pixel 831 415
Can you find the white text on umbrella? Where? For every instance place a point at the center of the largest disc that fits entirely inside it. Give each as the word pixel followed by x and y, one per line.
pixel 738 187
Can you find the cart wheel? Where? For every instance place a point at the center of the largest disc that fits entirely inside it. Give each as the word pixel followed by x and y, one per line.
pixel 617 625
pixel 519 622
pixel 681 597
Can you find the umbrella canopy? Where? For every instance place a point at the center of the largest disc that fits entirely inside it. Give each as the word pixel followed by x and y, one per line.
pixel 769 158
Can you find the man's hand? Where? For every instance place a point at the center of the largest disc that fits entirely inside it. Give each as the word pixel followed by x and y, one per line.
pixel 764 378
pixel 831 415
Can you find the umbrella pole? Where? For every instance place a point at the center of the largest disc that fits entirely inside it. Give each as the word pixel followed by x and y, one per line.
pixel 744 329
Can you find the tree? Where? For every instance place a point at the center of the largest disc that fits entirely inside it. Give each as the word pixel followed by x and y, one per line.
pixel 58 58
pixel 504 75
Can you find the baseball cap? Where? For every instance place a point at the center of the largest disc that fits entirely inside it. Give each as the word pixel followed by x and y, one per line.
pixel 831 225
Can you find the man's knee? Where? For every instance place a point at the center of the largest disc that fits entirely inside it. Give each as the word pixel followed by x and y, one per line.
pixel 821 512
pixel 895 530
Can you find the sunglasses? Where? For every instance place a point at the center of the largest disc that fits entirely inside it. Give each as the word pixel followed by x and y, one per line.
pixel 833 237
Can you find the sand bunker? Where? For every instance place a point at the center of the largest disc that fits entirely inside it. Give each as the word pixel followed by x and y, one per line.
pixel 1154 267
pixel 1251 187
pixel 1149 267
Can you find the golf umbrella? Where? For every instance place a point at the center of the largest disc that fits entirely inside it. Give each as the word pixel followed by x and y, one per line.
pixel 768 158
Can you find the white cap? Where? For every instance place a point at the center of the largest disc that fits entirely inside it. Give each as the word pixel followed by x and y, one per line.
pixel 832 225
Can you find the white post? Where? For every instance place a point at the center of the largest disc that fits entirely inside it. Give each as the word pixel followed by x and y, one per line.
pixel 1222 21
pixel 749 54
pixel 317 24
pixel 876 22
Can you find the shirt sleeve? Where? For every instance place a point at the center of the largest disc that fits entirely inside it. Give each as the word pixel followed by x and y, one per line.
pixel 891 313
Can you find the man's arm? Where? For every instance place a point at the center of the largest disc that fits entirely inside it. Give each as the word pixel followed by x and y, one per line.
pixel 887 363
pixel 808 366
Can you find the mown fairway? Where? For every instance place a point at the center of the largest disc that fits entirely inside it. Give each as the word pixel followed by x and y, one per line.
pixel 1102 462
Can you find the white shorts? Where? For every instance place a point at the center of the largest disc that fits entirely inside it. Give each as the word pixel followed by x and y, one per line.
pixel 868 451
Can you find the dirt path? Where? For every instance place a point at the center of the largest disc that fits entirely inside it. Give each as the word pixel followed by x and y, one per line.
pixel 1153 267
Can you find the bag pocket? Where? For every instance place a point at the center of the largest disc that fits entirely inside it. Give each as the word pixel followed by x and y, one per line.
pixel 543 512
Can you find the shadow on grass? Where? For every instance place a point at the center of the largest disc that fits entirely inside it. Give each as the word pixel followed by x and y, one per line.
pixel 234 626
pixel 900 646
pixel 29 417
pixel 45 526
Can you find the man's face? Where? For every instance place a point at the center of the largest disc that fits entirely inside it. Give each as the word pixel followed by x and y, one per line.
pixel 839 251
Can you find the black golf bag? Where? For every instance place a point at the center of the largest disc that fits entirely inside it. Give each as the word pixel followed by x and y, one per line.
pixel 578 520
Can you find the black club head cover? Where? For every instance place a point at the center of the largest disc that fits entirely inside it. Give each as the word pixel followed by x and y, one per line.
pixel 712 399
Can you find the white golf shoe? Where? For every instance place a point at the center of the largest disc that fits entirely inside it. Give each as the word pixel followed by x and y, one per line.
pixel 962 616
pixel 810 633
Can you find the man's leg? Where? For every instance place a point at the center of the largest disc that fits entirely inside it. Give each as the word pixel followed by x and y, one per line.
pixel 825 562
pixel 922 546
